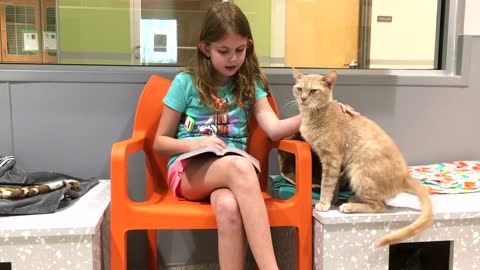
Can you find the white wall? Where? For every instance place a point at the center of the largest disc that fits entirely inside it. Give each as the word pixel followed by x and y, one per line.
pixel 408 41
pixel 472 20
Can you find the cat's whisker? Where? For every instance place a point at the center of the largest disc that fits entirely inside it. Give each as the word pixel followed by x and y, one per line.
pixel 291 106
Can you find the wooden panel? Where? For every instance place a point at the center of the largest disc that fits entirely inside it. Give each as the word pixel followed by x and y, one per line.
pixel 322 34
pixel 17 17
pixel 1 42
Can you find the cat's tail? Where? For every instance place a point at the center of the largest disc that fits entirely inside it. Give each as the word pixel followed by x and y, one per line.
pixel 420 224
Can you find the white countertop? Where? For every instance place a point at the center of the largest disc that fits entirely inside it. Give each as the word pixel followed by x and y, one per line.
pixel 405 207
pixel 82 217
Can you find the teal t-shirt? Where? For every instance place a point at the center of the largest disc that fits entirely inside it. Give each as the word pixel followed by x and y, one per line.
pixel 198 121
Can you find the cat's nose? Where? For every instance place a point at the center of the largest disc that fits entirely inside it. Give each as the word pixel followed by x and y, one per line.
pixel 303 99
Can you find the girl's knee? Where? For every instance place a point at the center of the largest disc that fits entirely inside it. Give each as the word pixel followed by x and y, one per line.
pixel 240 167
pixel 240 164
pixel 226 210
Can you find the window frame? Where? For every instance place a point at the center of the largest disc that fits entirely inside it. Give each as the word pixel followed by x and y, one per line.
pixel 456 52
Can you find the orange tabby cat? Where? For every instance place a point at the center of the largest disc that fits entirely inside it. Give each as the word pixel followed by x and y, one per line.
pixel 361 149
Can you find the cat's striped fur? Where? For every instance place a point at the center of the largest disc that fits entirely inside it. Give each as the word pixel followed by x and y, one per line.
pixel 14 193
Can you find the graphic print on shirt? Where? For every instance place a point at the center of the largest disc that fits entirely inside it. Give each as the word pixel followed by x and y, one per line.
pixel 220 124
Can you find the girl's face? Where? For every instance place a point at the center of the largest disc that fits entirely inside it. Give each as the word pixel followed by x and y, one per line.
pixel 227 56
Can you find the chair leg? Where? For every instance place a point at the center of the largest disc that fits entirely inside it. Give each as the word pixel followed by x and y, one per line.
pixel 152 250
pixel 304 248
pixel 118 249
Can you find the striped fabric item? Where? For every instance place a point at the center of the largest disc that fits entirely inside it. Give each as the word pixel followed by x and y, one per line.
pixel 449 177
pixel 6 162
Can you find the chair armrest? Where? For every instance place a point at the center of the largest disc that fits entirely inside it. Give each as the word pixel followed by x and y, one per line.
pixel 303 166
pixel 119 165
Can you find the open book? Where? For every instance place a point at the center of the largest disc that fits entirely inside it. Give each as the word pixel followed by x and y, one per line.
pixel 218 152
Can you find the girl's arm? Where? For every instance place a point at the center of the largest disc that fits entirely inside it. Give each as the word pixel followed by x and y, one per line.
pixel 275 128
pixel 167 144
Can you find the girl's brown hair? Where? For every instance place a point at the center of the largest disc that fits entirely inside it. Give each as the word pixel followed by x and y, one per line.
pixel 223 18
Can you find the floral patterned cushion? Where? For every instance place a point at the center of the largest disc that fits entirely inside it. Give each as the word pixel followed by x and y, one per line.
pixel 449 177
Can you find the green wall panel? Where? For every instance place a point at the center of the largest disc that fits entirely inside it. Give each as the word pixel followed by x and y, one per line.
pixel 98 28
pixel 259 16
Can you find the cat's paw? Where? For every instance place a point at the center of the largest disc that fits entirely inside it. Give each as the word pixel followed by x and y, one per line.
pixel 346 208
pixel 322 206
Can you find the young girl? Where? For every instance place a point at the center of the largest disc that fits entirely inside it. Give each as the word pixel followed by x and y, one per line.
pixel 209 105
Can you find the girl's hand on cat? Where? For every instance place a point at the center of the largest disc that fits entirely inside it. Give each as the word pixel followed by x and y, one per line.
pixel 347 109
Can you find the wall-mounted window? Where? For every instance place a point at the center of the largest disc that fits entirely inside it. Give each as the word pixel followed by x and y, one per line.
pixel 366 34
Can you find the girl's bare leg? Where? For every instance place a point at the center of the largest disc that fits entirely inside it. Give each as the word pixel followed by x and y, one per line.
pixel 206 174
pixel 231 235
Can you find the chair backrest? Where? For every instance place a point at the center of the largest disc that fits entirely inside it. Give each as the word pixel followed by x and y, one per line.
pixel 149 110
pixel 147 117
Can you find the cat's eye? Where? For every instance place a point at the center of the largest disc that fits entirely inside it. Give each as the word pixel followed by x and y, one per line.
pixel 313 91
pixel 299 89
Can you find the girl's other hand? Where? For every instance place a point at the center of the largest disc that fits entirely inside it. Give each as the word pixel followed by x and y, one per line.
pixel 209 141
pixel 347 109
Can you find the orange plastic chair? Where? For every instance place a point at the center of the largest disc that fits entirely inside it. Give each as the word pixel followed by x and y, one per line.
pixel 161 210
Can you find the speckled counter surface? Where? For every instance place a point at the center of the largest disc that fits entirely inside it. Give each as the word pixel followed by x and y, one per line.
pixel 347 241
pixel 71 238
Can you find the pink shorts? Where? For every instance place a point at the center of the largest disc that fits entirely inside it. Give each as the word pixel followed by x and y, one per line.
pixel 174 177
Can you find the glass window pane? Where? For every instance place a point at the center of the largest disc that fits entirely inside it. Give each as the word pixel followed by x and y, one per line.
pixel 168 31
pixel 367 34
pixel 371 34
pixel 322 33
pixel 403 37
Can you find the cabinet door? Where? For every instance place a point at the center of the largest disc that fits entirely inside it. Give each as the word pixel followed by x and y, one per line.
pixel 322 34
pixel 20 31
pixel 49 32
pixel 1 44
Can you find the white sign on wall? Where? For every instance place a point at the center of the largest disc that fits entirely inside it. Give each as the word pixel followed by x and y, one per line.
pixel 49 40
pixel 158 41
pixel 30 40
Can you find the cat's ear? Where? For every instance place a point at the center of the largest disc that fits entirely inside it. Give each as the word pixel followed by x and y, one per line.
pixel 330 78
pixel 297 75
